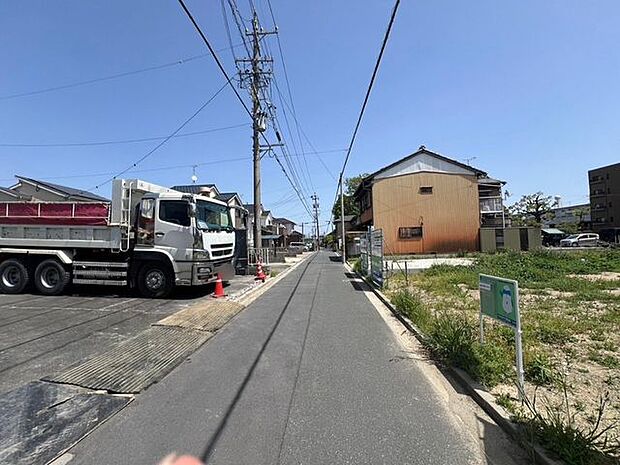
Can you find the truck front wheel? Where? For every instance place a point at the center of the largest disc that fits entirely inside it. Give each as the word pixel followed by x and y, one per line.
pixel 155 281
pixel 51 278
pixel 13 276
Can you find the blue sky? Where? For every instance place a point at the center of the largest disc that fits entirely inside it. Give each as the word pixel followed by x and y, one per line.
pixel 529 88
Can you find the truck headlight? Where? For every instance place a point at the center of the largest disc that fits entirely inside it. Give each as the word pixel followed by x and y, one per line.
pixel 201 255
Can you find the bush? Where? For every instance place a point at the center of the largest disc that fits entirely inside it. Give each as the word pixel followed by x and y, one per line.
pixel 357 265
pixel 412 307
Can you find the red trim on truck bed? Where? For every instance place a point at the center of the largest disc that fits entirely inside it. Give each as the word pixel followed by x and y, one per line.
pixel 54 213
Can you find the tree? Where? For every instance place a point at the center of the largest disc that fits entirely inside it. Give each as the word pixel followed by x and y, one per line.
pixel 532 208
pixel 350 206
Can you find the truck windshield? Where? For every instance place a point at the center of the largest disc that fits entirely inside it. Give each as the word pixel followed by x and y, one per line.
pixel 212 216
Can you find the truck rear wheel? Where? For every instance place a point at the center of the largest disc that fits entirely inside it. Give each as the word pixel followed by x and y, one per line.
pixel 50 277
pixel 155 280
pixel 14 276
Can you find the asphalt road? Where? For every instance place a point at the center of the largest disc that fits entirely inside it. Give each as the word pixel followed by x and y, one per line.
pixel 309 373
pixel 42 335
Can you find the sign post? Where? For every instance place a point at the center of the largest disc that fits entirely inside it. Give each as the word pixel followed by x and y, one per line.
pixel 499 299
pixel 376 256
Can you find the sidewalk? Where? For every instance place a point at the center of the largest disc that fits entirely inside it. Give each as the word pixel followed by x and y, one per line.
pixel 320 381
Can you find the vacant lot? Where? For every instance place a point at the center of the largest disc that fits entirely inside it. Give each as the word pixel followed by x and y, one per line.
pixel 570 306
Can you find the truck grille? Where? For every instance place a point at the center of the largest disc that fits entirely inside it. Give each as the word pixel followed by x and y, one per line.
pixel 221 246
pixel 221 250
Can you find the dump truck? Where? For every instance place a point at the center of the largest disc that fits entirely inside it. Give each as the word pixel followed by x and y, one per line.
pixel 147 237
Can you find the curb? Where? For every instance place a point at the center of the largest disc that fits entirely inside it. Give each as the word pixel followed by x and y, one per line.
pixel 246 296
pixel 475 390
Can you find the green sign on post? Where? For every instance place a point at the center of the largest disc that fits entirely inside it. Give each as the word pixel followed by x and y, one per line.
pixel 499 299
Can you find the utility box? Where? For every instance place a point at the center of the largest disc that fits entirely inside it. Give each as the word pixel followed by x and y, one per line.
pixel 516 239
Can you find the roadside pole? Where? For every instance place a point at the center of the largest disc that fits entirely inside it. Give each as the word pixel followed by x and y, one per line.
pixel 344 245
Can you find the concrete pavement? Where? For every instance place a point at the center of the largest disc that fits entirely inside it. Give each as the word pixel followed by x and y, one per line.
pixel 309 373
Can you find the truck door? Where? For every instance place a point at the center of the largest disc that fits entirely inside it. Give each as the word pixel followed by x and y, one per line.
pixel 173 231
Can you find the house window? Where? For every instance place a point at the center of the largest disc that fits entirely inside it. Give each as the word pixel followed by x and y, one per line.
pixel 426 190
pixel 412 232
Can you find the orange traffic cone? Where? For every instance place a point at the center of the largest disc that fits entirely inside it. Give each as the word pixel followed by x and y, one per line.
pixel 219 288
pixel 260 275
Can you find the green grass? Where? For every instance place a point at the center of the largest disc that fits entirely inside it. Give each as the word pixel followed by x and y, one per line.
pixel 533 270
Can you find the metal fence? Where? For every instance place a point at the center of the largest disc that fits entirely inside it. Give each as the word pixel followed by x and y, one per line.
pixel 258 255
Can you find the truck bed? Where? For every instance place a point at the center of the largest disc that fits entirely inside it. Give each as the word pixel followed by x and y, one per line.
pixel 57 225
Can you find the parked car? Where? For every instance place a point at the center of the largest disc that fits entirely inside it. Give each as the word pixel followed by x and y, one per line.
pixel 580 240
pixel 296 247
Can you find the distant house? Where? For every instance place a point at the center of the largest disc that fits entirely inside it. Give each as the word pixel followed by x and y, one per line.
pixel 349 224
pixel 266 221
pixel 284 226
pixel 47 192
pixel 237 210
pixel 426 202
pixel 605 201
pixel 574 215
pixel 209 190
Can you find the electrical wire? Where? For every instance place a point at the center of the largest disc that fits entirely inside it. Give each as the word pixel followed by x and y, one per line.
pixel 370 85
pixel 288 84
pixel 228 81
pixel 123 141
pixel 366 97
pixel 154 149
pixel 180 61
pixel 159 168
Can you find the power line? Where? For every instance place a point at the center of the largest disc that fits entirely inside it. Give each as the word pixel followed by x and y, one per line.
pixel 288 84
pixel 357 126
pixel 158 168
pixel 228 81
pixel 124 141
pixel 370 86
pixel 180 61
pixel 215 57
pixel 150 152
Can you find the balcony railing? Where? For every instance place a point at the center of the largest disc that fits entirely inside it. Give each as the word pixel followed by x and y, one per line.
pixel 491 205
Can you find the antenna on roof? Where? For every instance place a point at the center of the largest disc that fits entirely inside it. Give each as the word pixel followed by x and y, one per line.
pixel 469 160
pixel 194 177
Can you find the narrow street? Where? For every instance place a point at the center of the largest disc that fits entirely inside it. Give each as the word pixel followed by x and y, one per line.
pixel 309 373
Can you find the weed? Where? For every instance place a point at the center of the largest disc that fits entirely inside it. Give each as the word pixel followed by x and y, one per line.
pixel 556 428
pixel 504 400
pixel 608 361
pixel 539 368
pixel 412 307
pixel 490 364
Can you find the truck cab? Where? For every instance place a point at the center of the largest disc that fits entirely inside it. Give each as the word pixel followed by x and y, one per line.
pixel 195 232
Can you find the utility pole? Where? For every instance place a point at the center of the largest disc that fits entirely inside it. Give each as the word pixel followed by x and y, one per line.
pixel 344 243
pixel 255 73
pixel 315 206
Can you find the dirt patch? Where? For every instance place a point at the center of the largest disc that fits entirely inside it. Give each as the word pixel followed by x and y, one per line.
pixel 604 276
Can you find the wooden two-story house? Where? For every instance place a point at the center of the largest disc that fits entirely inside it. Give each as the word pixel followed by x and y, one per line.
pixel 426 203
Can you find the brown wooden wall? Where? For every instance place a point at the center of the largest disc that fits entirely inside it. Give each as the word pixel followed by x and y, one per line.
pixel 449 216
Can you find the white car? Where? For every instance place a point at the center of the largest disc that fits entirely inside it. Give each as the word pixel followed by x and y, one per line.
pixel 580 240
pixel 296 247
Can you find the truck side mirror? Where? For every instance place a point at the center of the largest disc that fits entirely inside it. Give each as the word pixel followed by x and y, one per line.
pixel 191 210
